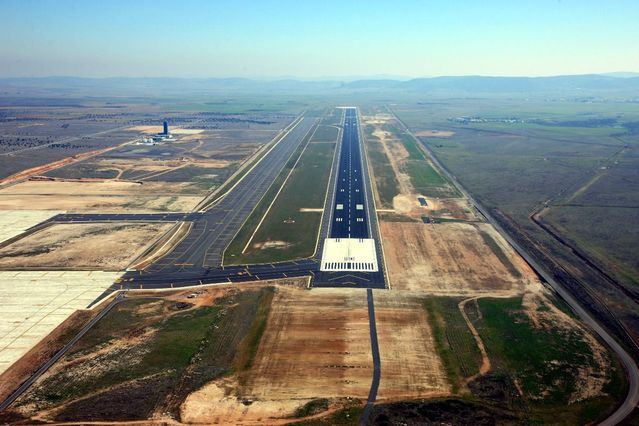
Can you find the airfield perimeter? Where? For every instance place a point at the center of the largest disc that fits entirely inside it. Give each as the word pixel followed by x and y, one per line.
pixel 195 259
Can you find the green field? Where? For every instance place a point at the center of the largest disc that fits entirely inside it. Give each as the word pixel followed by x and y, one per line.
pixel 540 362
pixel 286 232
pixel 425 179
pixel 453 340
pixel 543 361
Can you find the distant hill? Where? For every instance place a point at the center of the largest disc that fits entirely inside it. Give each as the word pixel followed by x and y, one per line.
pixel 622 74
pixel 171 87
pixel 480 84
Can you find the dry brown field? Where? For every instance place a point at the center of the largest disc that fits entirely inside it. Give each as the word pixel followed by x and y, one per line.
pixel 100 246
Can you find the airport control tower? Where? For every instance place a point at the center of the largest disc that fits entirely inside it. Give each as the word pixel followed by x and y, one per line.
pixel 166 128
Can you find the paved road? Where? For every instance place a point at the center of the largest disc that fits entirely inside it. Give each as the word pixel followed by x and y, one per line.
pixel 632 398
pixel 377 365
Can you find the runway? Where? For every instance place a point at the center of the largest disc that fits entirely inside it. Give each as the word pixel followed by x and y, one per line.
pixel 350 218
pixel 351 210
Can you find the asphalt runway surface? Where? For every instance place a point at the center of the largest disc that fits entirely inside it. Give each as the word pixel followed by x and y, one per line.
pixel 349 215
pixel 349 188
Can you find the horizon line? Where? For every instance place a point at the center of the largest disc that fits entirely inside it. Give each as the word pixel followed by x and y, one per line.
pixel 335 78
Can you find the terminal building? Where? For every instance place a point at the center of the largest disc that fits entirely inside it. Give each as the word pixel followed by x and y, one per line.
pixel 164 135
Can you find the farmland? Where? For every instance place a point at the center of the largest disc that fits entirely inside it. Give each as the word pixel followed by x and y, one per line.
pixel 560 174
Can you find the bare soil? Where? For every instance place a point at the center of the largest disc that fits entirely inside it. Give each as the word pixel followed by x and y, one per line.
pixel 316 345
pixel 435 133
pixel 99 197
pixel 106 247
pixel 411 365
pixel 450 259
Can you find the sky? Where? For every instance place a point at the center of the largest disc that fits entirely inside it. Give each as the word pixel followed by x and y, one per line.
pixel 313 38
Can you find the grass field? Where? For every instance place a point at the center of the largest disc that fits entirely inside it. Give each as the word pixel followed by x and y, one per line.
pixel 454 342
pixel 538 368
pixel 325 133
pixel 287 231
pixel 543 362
pixel 425 179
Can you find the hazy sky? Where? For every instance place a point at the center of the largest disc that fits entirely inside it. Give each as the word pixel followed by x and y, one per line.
pixel 309 38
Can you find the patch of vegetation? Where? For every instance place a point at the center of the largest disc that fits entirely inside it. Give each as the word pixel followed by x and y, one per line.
pixel 348 415
pixel 395 217
pixel 498 388
pixel 590 122
pixel 423 176
pixel 453 340
pixel 333 117
pixel 248 347
pixel 543 361
pixel 294 230
pixel 448 220
pixel 442 411
pixel 325 133
pixel 233 253
pixel 384 177
pixel 315 406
